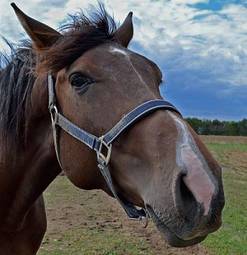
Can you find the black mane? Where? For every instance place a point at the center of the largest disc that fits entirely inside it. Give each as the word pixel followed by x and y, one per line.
pixel 16 81
pixel 19 70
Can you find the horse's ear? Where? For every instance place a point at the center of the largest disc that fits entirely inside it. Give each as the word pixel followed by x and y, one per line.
pixel 125 32
pixel 42 35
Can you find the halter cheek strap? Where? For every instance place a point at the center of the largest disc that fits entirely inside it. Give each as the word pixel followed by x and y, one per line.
pixel 103 145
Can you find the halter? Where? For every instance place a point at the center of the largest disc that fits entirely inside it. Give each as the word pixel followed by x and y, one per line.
pixel 103 145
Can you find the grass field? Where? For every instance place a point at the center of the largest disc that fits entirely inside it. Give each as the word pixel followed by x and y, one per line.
pixel 231 152
pixel 89 222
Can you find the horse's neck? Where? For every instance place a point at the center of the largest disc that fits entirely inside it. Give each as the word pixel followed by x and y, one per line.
pixel 25 175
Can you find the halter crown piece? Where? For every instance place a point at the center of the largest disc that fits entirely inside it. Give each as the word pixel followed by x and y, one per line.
pixel 103 145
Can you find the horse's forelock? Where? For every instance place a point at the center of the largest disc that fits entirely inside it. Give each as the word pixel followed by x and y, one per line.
pixel 80 35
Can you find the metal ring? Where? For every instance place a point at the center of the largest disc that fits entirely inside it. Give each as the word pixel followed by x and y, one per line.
pixel 54 112
pixel 104 158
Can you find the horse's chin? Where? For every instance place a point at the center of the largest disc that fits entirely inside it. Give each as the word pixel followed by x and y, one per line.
pixel 172 238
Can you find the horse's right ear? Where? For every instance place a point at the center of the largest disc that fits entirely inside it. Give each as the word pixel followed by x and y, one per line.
pixel 42 35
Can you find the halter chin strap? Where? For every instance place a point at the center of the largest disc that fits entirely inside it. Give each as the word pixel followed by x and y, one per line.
pixel 103 145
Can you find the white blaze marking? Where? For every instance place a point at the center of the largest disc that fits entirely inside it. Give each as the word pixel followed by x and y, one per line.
pixel 117 50
pixel 126 54
pixel 190 158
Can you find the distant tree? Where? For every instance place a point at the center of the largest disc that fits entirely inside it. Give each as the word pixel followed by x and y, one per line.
pixel 195 123
pixel 243 127
pixel 217 127
pixel 232 128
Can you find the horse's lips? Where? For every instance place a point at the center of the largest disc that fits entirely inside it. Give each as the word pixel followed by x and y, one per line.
pixel 172 238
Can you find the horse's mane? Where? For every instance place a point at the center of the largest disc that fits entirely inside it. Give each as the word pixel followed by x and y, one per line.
pixel 16 81
pixel 18 70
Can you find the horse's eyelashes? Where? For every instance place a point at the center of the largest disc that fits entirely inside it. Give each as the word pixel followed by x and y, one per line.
pixel 79 80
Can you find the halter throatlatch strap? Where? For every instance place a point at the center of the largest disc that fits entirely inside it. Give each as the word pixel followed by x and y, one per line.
pixel 103 145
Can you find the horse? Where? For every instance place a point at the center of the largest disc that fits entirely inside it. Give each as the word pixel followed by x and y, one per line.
pixel 79 101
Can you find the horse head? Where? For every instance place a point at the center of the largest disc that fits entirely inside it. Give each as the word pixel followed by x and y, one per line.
pixel 159 163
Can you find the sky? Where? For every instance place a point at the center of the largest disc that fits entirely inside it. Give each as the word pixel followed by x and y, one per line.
pixel 200 46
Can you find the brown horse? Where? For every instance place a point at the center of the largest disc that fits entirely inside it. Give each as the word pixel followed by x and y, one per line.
pixel 158 163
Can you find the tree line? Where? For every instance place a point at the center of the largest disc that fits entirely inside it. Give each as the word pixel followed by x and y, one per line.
pixel 217 127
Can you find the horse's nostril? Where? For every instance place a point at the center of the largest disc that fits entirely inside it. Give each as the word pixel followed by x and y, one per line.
pixel 187 200
pixel 185 192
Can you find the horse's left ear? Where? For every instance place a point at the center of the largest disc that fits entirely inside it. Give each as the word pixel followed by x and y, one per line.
pixel 125 32
pixel 42 35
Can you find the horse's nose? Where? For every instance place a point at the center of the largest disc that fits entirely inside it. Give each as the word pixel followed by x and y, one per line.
pixel 193 197
pixel 197 185
pixel 198 196
pixel 198 206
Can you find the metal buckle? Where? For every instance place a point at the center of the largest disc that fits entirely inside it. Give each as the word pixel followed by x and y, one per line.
pixel 53 111
pixel 104 152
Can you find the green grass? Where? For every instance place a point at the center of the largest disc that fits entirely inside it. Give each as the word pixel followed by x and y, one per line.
pixel 79 224
pixel 89 242
pixel 224 147
pixel 83 222
pixel 231 239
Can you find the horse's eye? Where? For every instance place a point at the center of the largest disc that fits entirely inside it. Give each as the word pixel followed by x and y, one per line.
pixel 80 81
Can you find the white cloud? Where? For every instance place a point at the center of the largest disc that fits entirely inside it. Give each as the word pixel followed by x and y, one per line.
pixel 168 31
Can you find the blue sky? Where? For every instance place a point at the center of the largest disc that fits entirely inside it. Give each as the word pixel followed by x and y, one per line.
pixel 200 45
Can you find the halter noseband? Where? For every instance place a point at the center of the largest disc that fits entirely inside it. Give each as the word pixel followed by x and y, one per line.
pixel 103 145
